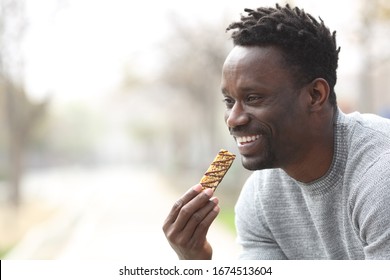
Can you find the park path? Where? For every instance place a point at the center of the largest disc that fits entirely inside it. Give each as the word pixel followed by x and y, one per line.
pixel 111 213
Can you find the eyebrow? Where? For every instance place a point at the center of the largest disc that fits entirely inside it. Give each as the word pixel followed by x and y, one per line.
pixel 248 89
pixel 224 91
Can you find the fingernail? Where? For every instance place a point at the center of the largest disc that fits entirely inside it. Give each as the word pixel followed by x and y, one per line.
pixel 215 200
pixel 197 188
pixel 209 192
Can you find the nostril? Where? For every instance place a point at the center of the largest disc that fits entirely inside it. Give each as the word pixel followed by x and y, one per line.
pixel 229 122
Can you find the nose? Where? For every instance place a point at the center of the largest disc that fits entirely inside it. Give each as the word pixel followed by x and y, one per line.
pixel 236 116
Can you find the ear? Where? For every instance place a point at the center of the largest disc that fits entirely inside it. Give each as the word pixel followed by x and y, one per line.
pixel 319 94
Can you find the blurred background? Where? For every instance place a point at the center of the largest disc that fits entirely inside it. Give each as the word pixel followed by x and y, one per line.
pixel 111 109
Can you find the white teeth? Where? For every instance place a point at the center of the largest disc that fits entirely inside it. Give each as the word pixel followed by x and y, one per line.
pixel 246 139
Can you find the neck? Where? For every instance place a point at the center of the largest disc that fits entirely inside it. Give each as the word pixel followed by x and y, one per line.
pixel 313 167
pixel 318 156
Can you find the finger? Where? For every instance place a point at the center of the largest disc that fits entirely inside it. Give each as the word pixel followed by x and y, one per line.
pixel 199 216
pixel 188 196
pixel 184 238
pixel 188 210
pixel 203 227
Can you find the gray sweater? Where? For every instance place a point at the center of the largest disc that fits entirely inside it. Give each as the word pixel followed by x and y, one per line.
pixel 343 215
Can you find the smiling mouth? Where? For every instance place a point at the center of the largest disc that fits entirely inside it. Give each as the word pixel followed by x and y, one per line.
pixel 242 140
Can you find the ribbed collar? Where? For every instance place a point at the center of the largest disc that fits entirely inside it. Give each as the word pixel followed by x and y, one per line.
pixel 335 173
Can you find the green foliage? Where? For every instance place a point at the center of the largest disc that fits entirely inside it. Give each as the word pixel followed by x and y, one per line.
pixel 4 251
pixel 226 217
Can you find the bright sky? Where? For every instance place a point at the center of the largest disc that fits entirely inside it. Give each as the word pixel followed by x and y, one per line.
pixel 76 49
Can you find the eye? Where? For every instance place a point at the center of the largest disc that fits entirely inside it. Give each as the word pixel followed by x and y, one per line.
pixel 254 99
pixel 229 102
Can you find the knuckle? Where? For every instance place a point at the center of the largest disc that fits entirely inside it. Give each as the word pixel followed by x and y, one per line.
pixel 170 235
pixel 185 212
pixel 182 242
pixel 165 227
pixel 203 225
pixel 178 204
pixel 197 217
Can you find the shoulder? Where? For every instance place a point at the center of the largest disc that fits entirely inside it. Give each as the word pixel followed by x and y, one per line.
pixel 366 124
pixel 365 139
pixel 261 181
pixel 254 185
pixel 371 209
pixel 264 187
pixel 371 195
pixel 375 180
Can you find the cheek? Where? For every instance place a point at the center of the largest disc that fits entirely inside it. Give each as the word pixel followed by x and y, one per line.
pixel 291 126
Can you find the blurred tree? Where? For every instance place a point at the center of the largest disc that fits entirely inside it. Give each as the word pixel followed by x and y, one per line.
pixel 19 113
pixel 194 55
pixel 21 116
pixel 374 27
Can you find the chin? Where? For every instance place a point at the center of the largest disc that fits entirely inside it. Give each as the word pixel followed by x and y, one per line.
pixel 258 163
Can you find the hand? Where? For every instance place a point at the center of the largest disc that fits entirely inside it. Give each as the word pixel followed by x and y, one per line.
pixel 188 222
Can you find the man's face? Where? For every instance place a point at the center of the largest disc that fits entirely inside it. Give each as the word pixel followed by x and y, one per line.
pixel 265 111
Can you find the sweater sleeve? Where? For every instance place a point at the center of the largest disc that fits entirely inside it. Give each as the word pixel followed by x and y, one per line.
pixel 371 211
pixel 253 234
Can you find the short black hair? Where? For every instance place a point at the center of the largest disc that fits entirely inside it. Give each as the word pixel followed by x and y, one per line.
pixel 309 47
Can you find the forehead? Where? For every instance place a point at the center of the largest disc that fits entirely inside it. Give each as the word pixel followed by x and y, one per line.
pixel 255 63
pixel 255 57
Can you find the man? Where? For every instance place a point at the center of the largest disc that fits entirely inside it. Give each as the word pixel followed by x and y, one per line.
pixel 321 182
